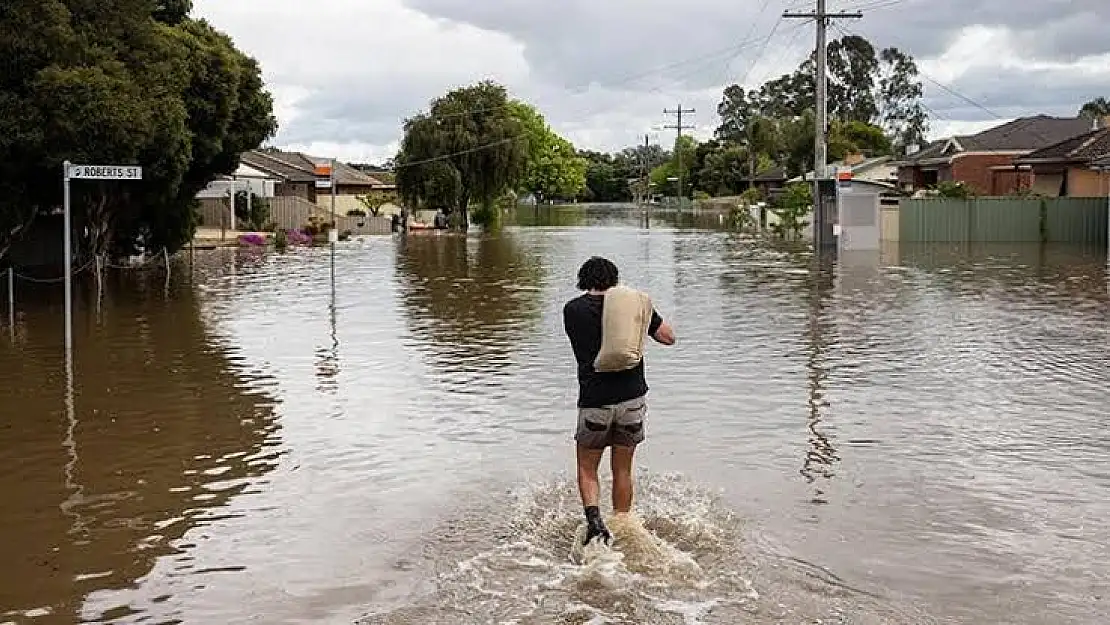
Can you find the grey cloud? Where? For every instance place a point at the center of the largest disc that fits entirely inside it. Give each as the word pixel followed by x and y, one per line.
pixel 625 46
pixel 573 42
pixel 370 113
pixel 1051 29
pixel 1007 95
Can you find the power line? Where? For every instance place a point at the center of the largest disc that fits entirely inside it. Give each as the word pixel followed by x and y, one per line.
pixel 762 50
pixel 443 157
pixel 711 57
pixel 877 5
pixel 1017 127
pixel 728 52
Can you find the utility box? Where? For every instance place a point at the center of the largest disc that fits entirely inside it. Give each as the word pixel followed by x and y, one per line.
pixel 859 220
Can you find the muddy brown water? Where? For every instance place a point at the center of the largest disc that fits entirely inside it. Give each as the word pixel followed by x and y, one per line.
pixel 912 437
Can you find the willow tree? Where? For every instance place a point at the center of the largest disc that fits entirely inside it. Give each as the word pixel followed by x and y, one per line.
pixel 468 148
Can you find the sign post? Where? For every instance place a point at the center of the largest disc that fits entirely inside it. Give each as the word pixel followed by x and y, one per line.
pixel 325 179
pixel 84 172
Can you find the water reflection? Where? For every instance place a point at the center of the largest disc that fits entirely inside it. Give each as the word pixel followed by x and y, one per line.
pixel 113 458
pixel 327 356
pixel 470 300
pixel 948 412
pixel 822 455
pixel 1054 274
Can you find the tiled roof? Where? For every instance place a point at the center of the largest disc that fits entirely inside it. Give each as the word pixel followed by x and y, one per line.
pixel 278 163
pixel 1085 147
pixel 1027 133
pixel 1101 162
pixel 299 167
pixel 1022 134
pixel 345 174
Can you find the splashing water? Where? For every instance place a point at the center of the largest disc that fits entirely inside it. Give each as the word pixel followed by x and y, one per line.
pixel 681 558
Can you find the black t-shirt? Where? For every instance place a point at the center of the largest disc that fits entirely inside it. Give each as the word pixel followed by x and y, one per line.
pixel 582 322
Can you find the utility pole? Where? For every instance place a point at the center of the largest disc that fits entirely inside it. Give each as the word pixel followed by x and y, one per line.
pixel 678 143
pixel 645 204
pixel 821 146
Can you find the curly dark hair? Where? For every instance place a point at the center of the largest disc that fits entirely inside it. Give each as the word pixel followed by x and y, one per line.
pixel 597 274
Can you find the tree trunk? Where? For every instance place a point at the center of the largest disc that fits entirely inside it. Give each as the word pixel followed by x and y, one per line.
pixel 463 222
pixel 100 240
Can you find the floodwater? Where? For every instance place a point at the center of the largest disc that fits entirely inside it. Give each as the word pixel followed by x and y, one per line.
pixel 913 437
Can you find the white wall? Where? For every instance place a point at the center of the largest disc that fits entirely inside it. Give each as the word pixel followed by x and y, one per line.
pixel 260 184
pixel 220 188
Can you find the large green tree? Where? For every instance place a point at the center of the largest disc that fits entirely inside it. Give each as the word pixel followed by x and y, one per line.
pixel 553 169
pixel 874 103
pixel 469 147
pixel 133 82
pixel 901 112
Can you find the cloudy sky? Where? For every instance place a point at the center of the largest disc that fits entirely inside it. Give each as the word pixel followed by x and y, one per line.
pixel 345 73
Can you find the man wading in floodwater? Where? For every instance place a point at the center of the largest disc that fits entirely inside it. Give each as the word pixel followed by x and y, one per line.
pixel 611 405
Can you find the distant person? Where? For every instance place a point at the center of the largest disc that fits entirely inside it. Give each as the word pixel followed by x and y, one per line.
pixel 611 404
pixel 440 221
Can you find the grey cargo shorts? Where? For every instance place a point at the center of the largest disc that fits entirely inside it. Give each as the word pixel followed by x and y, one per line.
pixel 619 424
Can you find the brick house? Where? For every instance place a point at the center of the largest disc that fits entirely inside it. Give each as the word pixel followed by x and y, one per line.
pixel 1075 167
pixel 985 162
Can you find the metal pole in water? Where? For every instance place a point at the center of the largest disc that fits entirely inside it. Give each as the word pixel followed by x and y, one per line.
pixel 67 260
pixel 11 301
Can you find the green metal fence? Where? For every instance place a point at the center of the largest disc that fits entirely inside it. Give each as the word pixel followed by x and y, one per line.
pixel 1004 220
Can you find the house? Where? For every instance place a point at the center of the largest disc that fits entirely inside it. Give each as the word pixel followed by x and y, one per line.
pixel 296 177
pixel 878 170
pixel 244 178
pixel 857 173
pixel 293 180
pixel 1075 167
pixel 985 161
pixel 767 181
pixel 215 206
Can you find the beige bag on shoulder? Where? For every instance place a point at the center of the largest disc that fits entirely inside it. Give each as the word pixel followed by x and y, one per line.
pixel 625 317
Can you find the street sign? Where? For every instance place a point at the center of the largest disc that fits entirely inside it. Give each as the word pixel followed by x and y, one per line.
pixel 72 172
pixel 105 172
pixel 324 174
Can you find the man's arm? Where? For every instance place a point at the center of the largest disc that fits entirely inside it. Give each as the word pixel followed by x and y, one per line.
pixel 660 330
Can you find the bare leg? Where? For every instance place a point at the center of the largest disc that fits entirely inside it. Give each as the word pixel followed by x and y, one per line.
pixel 588 486
pixel 589 489
pixel 621 461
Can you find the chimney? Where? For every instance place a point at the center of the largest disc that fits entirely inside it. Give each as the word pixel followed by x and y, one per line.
pixel 853 158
